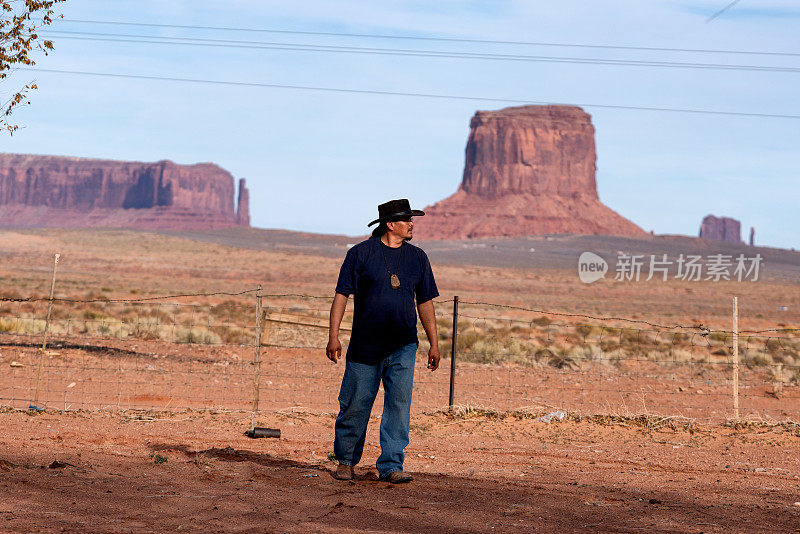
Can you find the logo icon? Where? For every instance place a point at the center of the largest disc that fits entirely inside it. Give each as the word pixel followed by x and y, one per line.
pixel 591 267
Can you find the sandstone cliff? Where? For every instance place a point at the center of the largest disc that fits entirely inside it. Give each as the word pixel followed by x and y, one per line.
pixel 528 170
pixel 79 192
pixel 722 229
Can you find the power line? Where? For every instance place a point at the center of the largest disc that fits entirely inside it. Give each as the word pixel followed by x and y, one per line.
pixel 435 39
pixel 417 95
pixel 721 11
pixel 262 45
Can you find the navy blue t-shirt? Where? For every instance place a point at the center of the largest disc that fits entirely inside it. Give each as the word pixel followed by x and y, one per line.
pixel 384 319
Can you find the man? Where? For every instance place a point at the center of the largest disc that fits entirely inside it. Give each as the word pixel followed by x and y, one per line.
pixel 385 274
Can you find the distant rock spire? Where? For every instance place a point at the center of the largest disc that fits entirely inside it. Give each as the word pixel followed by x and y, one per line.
pixel 243 205
pixel 752 236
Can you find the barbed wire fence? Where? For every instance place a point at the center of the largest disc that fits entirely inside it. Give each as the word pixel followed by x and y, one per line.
pixel 253 351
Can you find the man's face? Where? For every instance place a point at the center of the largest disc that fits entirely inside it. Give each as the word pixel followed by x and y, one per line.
pixel 402 229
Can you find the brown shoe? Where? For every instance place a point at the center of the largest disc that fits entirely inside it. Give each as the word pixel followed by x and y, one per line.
pixel 343 472
pixel 397 477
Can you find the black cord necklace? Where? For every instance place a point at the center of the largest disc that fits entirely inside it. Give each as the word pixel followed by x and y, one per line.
pixel 394 280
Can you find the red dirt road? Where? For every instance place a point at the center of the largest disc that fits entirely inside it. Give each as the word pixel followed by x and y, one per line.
pixel 472 475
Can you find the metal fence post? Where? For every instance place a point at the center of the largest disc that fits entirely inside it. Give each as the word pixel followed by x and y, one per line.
pixel 735 356
pixel 453 353
pixel 257 351
pixel 34 404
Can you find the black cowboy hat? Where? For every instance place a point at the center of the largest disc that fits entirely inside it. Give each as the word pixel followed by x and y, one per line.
pixel 395 209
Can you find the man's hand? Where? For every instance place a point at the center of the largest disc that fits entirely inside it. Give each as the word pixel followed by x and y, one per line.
pixel 428 317
pixel 433 358
pixel 334 350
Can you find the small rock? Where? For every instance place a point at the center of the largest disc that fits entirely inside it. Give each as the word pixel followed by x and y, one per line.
pixel 796 504
pixel 16 364
pixel 558 415
pixel 5 465
pixel 654 501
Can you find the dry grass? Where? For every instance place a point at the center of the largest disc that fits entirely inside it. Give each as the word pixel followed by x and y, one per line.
pixel 491 341
pixel 572 347
pixel 645 420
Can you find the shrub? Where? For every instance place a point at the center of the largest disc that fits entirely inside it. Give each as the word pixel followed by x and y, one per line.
pixel 796 376
pixel 542 321
pixel 9 325
pixel 756 358
pixel 234 335
pixel 229 309
pixel 585 352
pixel 91 314
pixel 631 337
pixel 197 335
pixel 22 325
pixel 721 337
pixel 160 316
pixel 145 328
pixel 499 349
pixel 773 345
pixel 609 346
pixel 678 337
pixel 562 360
pixel 583 330
pixel 684 356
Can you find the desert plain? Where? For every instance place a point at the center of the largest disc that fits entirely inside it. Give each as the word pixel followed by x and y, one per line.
pixel 142 400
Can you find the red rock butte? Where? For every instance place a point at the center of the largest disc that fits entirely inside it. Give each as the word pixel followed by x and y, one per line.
pixel 529 170
pixel 725 229
pixel 53 191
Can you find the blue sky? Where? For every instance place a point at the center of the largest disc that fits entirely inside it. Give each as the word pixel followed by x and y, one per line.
pixel 321 161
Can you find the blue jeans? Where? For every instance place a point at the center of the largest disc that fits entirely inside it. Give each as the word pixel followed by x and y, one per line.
pixel 359 389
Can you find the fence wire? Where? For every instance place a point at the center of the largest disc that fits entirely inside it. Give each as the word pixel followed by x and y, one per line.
pixel 199 351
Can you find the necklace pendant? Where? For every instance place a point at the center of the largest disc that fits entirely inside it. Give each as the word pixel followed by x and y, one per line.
pixel 394 281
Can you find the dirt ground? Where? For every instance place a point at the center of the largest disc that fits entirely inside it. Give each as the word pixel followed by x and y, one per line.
pixel 144 375
pixel 196 472
pixel 108 470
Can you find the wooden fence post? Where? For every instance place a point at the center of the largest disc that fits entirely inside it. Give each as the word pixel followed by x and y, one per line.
pixel 257 350
pixel 35 404
pixel 453 354
pixel 736 358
